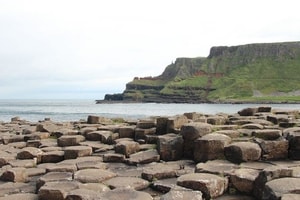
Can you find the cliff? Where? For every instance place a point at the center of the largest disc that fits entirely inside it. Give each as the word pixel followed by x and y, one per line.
pixel 246 73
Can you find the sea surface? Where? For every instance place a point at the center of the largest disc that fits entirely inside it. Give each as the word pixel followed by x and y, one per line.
pixel 74 110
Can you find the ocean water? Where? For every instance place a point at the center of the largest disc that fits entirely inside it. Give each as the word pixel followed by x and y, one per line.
pixel 74 110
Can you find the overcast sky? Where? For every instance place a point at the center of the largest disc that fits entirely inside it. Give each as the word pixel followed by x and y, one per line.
pixel 64 49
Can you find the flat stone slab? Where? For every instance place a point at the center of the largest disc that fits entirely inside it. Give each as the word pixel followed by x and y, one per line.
pixel 158 171
pixel 124 193
pixel 54 177
pixel 83 194
pixel 73 152
pixel 127 182
pixel 218 167
pixel 210 185
pixel 56 190
pixel 144 157
pixel 18 174
pixel 276 188
pixel 182 195
pixel 21 196
pixel 93 175
pixel 243 180
pixel 9 188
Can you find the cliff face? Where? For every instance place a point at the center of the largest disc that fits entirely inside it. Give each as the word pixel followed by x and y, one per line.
pixel 252 72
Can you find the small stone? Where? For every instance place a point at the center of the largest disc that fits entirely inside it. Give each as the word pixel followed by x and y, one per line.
pixel 93 175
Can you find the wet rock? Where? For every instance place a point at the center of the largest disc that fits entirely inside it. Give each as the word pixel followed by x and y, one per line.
pixel 170 147
pixel 242 152
pixel 127 147
pixel 190 132
pixel 93 175
pixel 182 195
pixel 56 190
pixel 127 182
pixel 210 185
pixel 70 140
pixel 73 152
pixel 144 157
pixel 210 147
pixel 124 193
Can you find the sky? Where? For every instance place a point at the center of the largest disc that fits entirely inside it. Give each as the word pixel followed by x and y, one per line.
pixel 84 49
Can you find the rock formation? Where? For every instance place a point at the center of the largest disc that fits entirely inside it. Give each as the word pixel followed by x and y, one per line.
pixel 253 154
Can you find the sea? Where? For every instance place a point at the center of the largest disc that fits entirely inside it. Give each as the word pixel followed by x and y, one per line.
pixel 75 109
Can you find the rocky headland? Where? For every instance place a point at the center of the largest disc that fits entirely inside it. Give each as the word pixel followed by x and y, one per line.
pixel 263 72
pixel 253 154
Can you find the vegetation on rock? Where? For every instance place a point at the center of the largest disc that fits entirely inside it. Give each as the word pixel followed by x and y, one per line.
pixel 267 72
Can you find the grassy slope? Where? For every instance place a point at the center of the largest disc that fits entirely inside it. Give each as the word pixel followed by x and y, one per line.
pixel 243 75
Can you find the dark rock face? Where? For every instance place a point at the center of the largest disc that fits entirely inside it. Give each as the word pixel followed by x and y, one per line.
pixel 247 157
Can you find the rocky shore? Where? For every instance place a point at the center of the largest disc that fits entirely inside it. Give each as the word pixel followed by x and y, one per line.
pixel 253 154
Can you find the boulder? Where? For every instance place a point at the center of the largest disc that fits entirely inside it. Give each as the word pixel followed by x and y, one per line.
pixel 54 177
pixel 267 134
pixel 70 140
pixel 73 152
pixel 210 185
pixel 243 179
pixel 141 134
pixel 190 132
pixel 158 171
pixel 144 157
pixel 127 147
pixel 52 157
pixel 210 147
pixel 126 132
pixel 238 152
pixel 182 195
pixel 98 120
pixel 56 190
pixel 276 188
pixel 170 147
pixel 30 153
pixel 273 149
pixel 161 125
pixel 294 145
pixel 248 111
pixel 218 167
pixel 175 123
pixel 113 157
pixel 18 174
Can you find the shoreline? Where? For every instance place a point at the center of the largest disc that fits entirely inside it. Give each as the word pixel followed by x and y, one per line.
pixel 195 155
